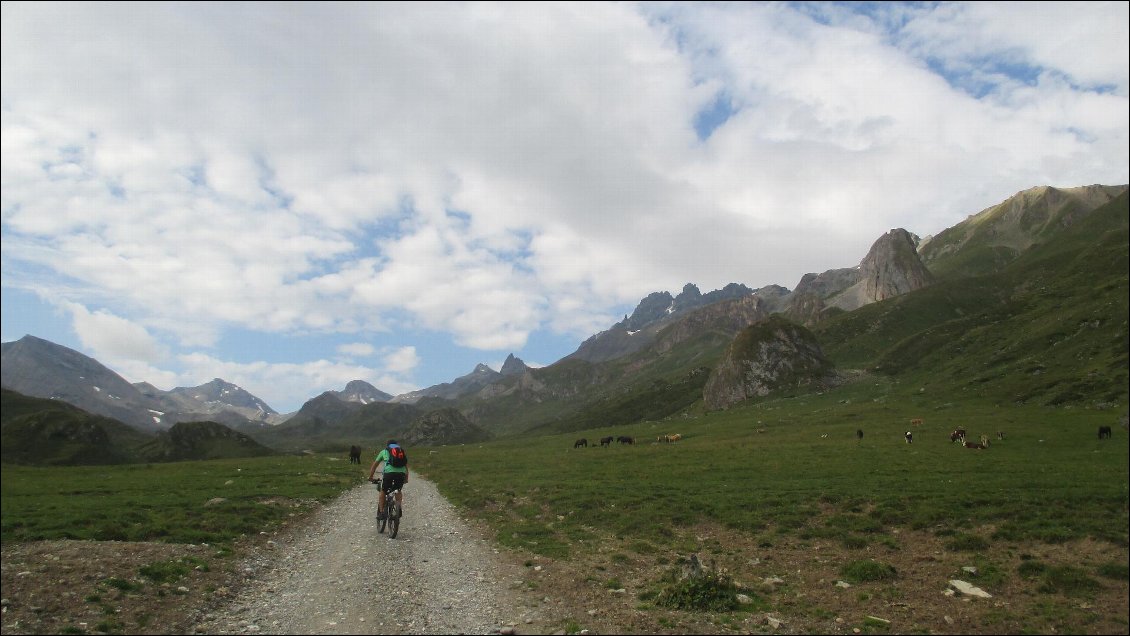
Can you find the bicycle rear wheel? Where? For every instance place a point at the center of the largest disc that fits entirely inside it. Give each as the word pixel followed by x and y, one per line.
pixel 393 519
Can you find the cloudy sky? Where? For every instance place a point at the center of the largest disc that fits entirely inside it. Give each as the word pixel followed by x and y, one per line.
pixel 292 196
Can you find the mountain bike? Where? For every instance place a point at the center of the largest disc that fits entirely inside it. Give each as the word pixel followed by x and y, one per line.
pixel 392 510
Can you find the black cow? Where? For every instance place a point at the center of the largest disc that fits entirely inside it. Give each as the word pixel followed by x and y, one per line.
pixel 957 434
pixel 606 441
pixel 581 442
pixel 624 439
pixel 909 437
pixel 354 454
pixel 859 434
pixel 1104 432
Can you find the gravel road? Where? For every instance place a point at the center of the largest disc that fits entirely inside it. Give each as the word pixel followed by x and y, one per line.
pixel 338 575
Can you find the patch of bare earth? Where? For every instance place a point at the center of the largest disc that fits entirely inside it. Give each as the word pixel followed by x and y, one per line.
pixel 68 587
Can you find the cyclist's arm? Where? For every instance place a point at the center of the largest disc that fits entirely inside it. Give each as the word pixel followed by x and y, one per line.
pixel 373 469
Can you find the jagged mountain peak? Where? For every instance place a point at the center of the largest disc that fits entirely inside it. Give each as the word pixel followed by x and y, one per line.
pixel 513 366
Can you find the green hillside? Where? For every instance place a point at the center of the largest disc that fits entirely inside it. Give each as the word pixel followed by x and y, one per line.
pixel 1050 328
pixel 50 432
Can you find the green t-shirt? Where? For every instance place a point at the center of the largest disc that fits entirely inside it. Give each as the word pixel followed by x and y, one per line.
pixel 389 468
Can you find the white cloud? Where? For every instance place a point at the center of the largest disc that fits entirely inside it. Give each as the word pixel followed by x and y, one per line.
pixel 495 170
pixel 357 349
pixel 112 337
pixel 401 360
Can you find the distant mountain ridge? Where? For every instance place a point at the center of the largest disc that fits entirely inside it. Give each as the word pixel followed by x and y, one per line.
pixel 653 362
pixel 39 368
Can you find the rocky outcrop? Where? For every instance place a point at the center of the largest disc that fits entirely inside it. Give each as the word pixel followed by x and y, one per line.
pixel 891 268
pixel 772 355
pixel 443 426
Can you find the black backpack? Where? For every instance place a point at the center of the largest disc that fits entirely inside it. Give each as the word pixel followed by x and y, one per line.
pixel 396 457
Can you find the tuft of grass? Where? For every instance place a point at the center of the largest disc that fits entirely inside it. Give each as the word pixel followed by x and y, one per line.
pixel 708 592
pixel 1117 571
pixel 172 571
pixel 868 570
pixel 962 542
pixel 1069 580
pixel 122 584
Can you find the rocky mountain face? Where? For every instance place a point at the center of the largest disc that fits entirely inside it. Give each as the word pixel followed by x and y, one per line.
pixel 362 392
pixel 39 368
pixel 443 426
pixel 513 366
pixel 766 357
pixel 654 312
pixel 987 241
pixel 468 384
pixel 217 400
pixel 891 268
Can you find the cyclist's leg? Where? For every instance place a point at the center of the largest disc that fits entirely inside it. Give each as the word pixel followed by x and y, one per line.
pixel 396 483
pixel 381 503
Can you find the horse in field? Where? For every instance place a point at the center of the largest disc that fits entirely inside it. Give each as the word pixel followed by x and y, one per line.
pixel 354 454
pixel 1104 432
pixel 606 441
pixel 581 442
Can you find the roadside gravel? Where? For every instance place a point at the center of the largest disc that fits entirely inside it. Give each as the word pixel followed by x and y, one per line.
pixel 337 575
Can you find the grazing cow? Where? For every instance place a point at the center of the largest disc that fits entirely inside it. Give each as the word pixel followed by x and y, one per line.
pixel 824 436
pixel 909 437
pixel 624 439
pixel 354 454
pixel 1104 432
pixel 859 434
pixel 974 445
pixel 957 434
pixel 916 421
pixel 984 440
pixel 674 437
pixel 581 442
pixel 606 441
pixel 1000 434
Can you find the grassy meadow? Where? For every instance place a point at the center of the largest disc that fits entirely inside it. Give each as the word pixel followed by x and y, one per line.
pixel 794 465
pixel 788 465
pixel 213 501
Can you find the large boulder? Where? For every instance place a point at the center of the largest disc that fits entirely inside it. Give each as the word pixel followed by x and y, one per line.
pixel 769 356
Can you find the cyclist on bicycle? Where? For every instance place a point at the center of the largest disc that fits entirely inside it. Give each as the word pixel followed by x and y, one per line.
pixel 394 476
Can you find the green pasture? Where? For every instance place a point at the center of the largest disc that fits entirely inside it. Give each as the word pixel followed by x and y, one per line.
pixel 795 466
pixel 782 466
pixel 169 501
